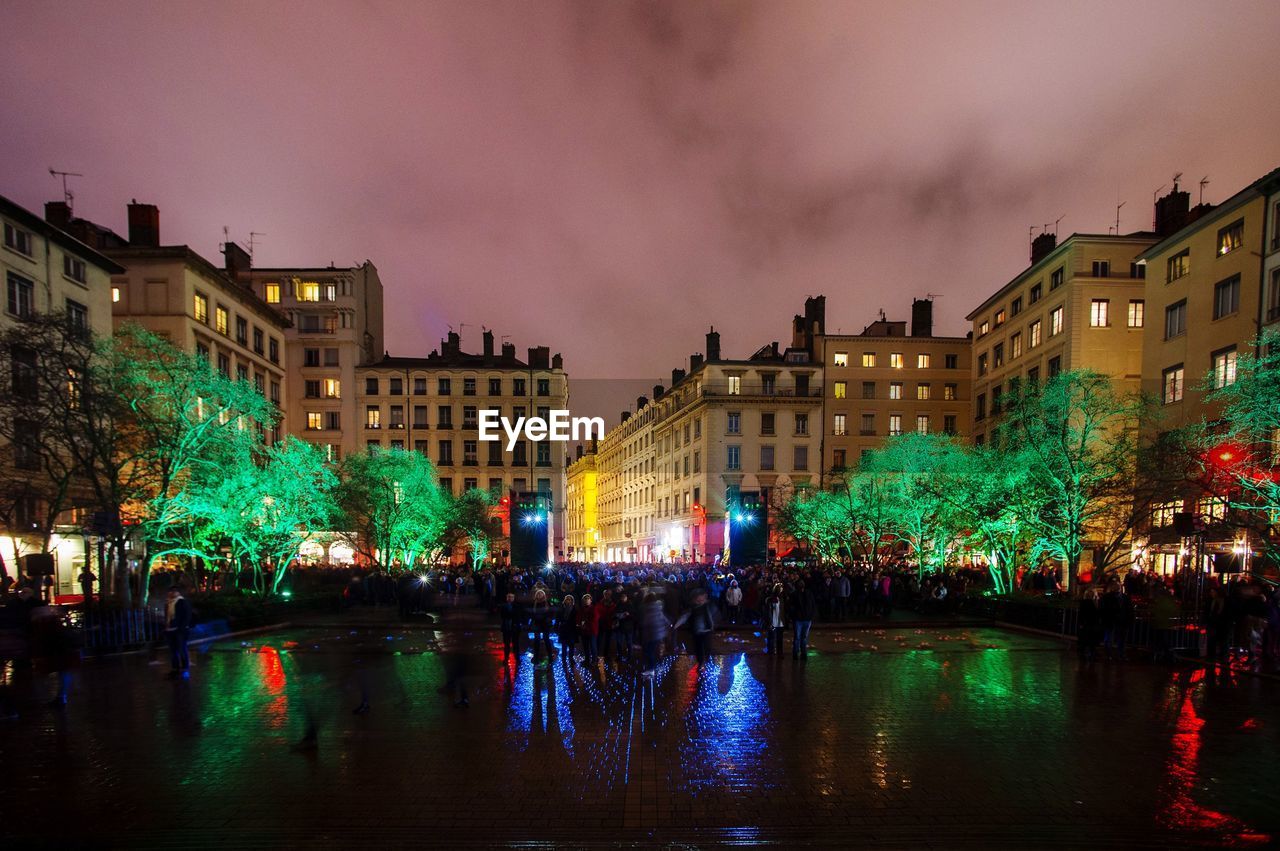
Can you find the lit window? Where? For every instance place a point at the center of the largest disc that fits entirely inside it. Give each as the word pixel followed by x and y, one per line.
pixel 840 359
pixel 895 360
pixel 1015 345
pixel 922 361
pixel 735 385
pixel 201 308
pixel 1035 334
pixel 315 421
pixel 273 293
pixel 1231 237
pixel 838 425
pixel 1055 321
pixel 949 392
pixel 309 291
pixel 840 390
pixel 999 318
pixel 984 328
pixel 332 388
pixel 1224 368
pixel 895 389
pixel 868 358
pixel 1137 311
pixel 1179 264
pixel 922 392
pixel 115 294
pixel 895 424
pixel 220 320
pixel 1099 313
pixel 922 423
pixel 1172 385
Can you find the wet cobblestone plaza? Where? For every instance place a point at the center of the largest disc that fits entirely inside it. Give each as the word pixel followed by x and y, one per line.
pixel 911 738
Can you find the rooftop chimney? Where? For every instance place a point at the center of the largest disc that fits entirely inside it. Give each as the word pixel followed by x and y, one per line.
pixel 641 401
pixel 677 375
pixel 922 317
pixel 488 344
pixel 695 361
pixel 557 362
pixel 57 213
pixel 1171 211
pixel 539 357
pixel 580 451
pixel 452 345
pixel 657 392
pixel 508 351
pixel 713 345
pixel 1042 246
pixel 144 225
pixel 235 260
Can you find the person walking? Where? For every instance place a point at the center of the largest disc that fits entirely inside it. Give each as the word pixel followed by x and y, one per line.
pixel 624 624
pixel 568 628
pixel 804 608
pixel 177 626
pixel 733 601
pixel 702 624
pixel 540 623
pixel 774 620
pixel 653 633
pixel 512 618
pixel 589 628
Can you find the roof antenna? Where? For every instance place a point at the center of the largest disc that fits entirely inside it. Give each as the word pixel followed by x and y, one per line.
pixel 67 194
pixel 1055 224
pixel 1204 181
pixel 1177 175
pixel 1155 196
pixel 1118 206
pixel 253 240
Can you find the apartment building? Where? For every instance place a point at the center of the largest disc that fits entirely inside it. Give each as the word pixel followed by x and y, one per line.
pixel 46 270
pixel 581 507
pixel 885 382
pixel 335 321
pixel 726 431
pixel 1079 305
pixel 179 295
pixel 432 405
pixel 1213 284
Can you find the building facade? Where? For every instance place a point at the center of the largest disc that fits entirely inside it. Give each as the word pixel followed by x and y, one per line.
pixel 669 475
pixel 175 293
pixel 334 325
pixel 1213 284
pixel 1079 305
pixel 581 514
pixel 885 382
pixel 432 405
pixel 46 271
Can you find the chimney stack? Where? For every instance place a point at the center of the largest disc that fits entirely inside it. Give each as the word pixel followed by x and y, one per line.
pixel 235 260
pixel 452 345
pixel 677 375
pixel 508 351
pixel 57 213
pixel 557 362
pixel 641 401
pixel 713 345
pixel 922 317
pixel 579 453
pixel 144 225
pixel 657 392
pixel 1172 211
pixel 488 344
pixel 539 357
pixel 695 361
pixel 1042 246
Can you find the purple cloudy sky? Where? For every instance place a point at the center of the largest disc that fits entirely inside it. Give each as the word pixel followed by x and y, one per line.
pixel 610 178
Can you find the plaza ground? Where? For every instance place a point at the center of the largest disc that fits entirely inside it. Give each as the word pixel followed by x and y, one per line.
pixel 930 737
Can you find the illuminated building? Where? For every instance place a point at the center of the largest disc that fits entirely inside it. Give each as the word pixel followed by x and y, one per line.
pixel 48 270
pixel 335 325
pixel 432 405
pixel 172 291
pixel 1079 305
pixel 885 382
pixel 725 430
pixel 581 515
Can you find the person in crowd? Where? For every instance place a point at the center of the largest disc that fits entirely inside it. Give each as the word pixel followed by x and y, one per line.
pixel 774 620
pixel 511 616
pixel 568 628
pixel 624 624
pixel 733 601
pixel 1116 617
pixel 804 608
pixel 177 628
pixel 653 633
pixel 540 622
pixel 589 628
pixel 701 623
pixel 1088 626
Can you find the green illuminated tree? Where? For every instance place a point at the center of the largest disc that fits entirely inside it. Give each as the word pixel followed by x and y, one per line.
pixel 987 490
pixel 262 510
pixel 470 523
pixel 917 472
pixel 391 507
pixel 1077 435
pixel 813 516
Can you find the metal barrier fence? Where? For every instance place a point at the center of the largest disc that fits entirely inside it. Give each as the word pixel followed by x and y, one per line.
pixel 118 629
pixel 1183 636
